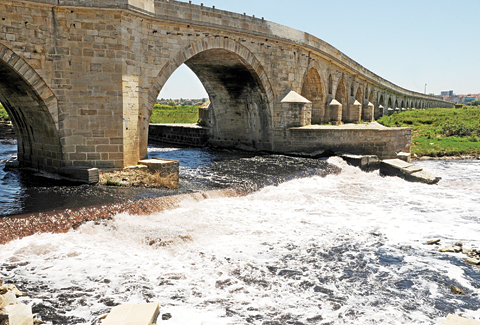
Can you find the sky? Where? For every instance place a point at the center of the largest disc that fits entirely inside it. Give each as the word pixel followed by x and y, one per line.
pixel 408 42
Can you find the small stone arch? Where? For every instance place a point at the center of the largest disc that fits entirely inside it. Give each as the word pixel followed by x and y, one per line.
pixel 313 90
pixel 359 95
pixel 390 103
pixel 33 108
pixel 330 84
pixel 341 95
pixel 380 107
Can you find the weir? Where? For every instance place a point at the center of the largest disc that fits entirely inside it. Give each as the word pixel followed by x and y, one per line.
pixel 80 80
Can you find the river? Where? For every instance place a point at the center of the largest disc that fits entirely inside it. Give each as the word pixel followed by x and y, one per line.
pixel 324 248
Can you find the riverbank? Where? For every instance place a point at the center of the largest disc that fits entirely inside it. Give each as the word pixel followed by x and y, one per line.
pixel 440 132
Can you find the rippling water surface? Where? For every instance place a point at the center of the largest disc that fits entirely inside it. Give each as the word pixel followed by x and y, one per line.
pixel 347 248
pixel 201 169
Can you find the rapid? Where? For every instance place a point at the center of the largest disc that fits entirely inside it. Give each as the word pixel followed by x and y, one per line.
pixel 341 248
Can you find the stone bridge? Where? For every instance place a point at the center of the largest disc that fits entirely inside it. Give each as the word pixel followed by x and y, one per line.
pixel 80 78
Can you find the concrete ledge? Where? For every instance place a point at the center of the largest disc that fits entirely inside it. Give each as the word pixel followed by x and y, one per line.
pixel 366 163
pixel 457 320
pixel 128 314
pixel 405 170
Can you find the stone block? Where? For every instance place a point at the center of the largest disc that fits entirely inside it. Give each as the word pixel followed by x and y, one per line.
pixel 129 314
pixel 166 167
pixel 457 320
pixel 82 174
pixel 19 314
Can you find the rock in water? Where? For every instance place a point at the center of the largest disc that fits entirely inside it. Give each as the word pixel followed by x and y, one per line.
pixel 473 261
pixel 433 242
pixel 456 290
pixel 451 249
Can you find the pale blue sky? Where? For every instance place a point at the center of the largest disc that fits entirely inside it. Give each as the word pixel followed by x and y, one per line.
pixel 409 42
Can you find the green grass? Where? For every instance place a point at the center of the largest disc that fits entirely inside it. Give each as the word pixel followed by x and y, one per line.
pixel 3 114
pixel 160 114
pixel 439 132
pixel 169 114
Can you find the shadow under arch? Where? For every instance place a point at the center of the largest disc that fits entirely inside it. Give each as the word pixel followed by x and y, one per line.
pixel 33 109
pixel 313 89
pixel 240 93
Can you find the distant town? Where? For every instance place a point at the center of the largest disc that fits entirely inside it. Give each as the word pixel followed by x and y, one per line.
pixel 181 102
pixel 461 99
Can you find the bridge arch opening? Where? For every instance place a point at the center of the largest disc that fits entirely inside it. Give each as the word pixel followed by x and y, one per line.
pixel 341 95
pixel 313 91
pixel 32 108
pixel 239 114
pixel 359 95
pixel 330 85
pixel 379 107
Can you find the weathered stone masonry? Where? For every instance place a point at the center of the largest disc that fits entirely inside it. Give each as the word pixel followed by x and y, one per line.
pixel 80 78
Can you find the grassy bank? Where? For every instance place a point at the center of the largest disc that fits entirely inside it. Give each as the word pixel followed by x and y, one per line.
pixel 439 132
pixel 3 114
pixel 178 114
pixel 161 114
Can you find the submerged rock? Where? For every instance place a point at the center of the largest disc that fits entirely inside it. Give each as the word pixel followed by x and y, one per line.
pixel 451 249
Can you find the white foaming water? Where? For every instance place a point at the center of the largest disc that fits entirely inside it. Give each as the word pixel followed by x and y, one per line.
pixel 344 249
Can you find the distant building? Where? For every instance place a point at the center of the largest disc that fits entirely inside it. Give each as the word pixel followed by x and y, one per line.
pixel 448 93
pixel 469 99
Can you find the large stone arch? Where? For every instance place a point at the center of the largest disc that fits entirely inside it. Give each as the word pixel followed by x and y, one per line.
pixel 240 93
pixel 313 89
pixel 33 108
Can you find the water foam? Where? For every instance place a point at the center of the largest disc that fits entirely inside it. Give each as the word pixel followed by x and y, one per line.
pixel 341 249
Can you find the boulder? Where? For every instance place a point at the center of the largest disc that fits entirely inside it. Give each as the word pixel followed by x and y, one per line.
pixel 433 242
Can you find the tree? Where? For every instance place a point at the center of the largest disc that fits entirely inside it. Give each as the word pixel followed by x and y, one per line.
pixel 172 103
pixel 474 103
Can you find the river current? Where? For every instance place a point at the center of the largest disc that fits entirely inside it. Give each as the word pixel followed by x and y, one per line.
pixel 340 248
